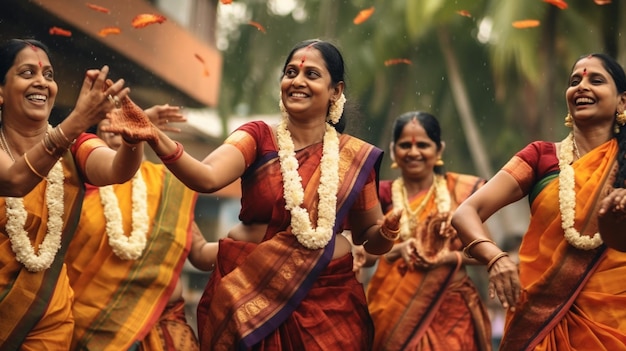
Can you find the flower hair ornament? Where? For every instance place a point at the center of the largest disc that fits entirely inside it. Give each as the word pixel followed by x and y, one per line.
pixel 620 120
pixel 336 109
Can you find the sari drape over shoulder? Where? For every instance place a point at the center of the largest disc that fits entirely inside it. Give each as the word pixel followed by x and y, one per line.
pixel 35 307
pixel 118 302
pixel 572 299
pixel 428 309
pixel 279 295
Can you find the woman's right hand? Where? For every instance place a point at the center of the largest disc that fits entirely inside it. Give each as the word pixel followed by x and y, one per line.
pixel 504 282
pixel 93 101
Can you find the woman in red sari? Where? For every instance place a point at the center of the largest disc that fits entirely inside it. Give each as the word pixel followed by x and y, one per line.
pixel 420 296
pixel 569 292
pixel 283 279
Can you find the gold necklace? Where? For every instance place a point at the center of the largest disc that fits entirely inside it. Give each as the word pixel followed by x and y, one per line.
pixel 5 144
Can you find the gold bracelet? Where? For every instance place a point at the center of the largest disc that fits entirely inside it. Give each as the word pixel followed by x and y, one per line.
pixel 33 168
pixel 469 246
pixel 71 142
pixel 388 234
pixel 495 259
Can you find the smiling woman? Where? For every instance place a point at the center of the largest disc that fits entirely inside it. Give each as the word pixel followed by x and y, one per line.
pixel 42 171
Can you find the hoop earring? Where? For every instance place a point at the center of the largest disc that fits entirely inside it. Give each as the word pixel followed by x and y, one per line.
pixel 569 121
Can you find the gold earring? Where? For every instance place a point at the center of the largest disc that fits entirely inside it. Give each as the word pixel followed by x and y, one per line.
pixel 569 121
pixel 394 165
pixel 439 163
pixel 620 118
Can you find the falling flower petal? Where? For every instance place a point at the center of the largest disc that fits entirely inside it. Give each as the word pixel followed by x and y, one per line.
pixel 226 2
pixel 602 2
pixel 206 70
pixel 145 19
pixel 60 31
pixel 109 30
pixel 257 25
pixel 526 23
pixel 363 15
pixel 98 8
pixel 397 61
pixel 464 13
pixel 558 3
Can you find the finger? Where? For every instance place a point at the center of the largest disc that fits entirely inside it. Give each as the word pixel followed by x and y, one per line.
pixel 99 81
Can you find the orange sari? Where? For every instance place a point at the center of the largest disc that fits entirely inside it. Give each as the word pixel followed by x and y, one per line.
pixel 277 294
pixel 571 299
pixel 428 309
pixel 36 307
pixel 118 302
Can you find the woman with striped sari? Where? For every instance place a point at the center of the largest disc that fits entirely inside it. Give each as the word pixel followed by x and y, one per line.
pixel 283 278
pixel 420 296
pixel 569 292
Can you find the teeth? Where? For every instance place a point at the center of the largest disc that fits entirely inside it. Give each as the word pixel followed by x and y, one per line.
pixel 298 95
pixel 37 97
pixel 584 100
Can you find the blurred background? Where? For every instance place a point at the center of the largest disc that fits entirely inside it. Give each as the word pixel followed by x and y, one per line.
pixel 494 72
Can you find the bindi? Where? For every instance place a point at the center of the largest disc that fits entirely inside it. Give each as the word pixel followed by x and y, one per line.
pixel 35 49
pixel 304 55
pixel 584 72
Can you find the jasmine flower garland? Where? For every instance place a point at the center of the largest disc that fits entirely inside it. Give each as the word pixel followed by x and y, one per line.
pixel 567 199
pixel 124 247
pixel 16 214
pixel 294 193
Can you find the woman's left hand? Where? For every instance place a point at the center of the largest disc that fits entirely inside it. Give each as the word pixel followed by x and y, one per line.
pixel 162 115
pixel 612 219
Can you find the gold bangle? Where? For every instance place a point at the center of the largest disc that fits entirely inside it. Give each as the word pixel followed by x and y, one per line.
pixel 469 246
pixel 71 142
pixel 33 168
pixel 388 234
pixel 495 259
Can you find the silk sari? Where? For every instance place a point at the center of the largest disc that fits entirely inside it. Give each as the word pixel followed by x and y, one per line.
pixel 36 307
pixel 428 309
pixel 572 299
pixel 279 295
pixel 118 302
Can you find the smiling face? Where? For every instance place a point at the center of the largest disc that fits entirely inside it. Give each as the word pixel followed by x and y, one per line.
pixel 592 96
pixel 29 89
pixel 306 85
pixel 414 152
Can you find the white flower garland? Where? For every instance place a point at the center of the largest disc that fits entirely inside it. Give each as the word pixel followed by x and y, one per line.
pixel 16 214
pixel 294 194
pixel 124 247
pixel 567 199
pixel 399 197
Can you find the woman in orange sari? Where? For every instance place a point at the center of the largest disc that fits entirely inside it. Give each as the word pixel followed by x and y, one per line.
pixel 283 279
pixel 569 292
pixel 127 255
pixel 42 172
pixel 420 296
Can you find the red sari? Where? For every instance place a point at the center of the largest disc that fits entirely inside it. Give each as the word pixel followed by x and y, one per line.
pixel 279 295
pixel 572 299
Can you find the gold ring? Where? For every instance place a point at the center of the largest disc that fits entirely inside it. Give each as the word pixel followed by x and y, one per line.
pixel 111 99
pixel 116 102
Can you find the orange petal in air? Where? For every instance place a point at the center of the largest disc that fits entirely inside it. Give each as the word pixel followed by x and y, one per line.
pixel 257 25
pixel 98 8
pixel 226 2
pixel 60 31
pixel 109 30
pixel 205 69
pixel 602 2
pixel 526 24
pixel 558 3
pixel 464 13
pixel 145 19
pixel 363 15
pixel 397 61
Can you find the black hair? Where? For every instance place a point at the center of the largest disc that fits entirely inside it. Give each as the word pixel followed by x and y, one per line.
pixel 334 63
pixel 9 51
pixel 427 121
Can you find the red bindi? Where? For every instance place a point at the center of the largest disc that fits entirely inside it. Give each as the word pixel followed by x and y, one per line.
pixel 304 55
pixel 584 72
